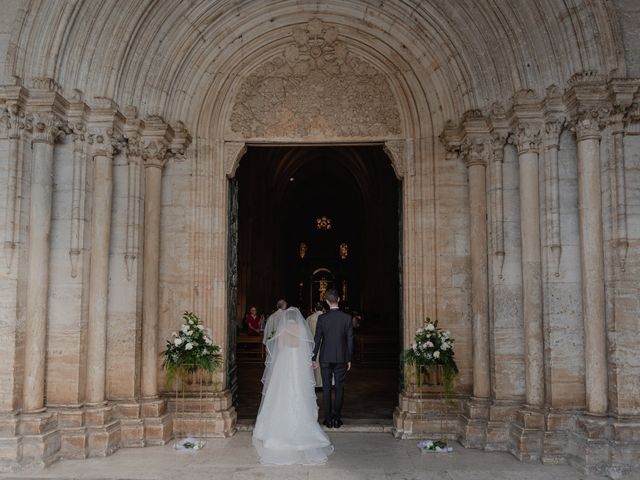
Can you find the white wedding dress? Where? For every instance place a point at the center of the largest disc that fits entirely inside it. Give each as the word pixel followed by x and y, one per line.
pixel 287 430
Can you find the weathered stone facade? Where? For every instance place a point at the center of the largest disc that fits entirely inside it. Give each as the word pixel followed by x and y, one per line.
pixel 517 139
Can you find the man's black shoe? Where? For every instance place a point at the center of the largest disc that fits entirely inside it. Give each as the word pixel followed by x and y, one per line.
pixel 328 423
pixel 337 423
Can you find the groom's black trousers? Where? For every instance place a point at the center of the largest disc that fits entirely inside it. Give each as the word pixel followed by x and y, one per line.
pixel 338 371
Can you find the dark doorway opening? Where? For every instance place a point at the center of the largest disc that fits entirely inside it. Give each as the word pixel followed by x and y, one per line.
pixel 312 218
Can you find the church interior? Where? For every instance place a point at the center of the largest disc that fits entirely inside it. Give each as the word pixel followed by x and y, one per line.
pixel 313 218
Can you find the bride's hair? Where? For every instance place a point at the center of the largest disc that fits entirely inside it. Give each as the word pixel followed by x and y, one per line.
pixel 282 304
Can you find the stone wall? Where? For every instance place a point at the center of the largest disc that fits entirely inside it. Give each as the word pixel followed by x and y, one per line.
pixel 520 168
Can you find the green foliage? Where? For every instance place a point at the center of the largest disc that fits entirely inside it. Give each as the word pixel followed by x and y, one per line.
pixel 190 349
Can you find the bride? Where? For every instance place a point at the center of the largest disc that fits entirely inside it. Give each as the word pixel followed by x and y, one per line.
pixel 287 430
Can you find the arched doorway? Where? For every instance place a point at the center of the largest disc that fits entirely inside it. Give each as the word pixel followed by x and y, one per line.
pixel 312 218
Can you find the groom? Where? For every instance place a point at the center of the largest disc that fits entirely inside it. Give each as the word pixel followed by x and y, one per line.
pixel 334 341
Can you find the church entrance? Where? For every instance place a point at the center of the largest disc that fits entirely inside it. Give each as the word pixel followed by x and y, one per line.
pixel 312 218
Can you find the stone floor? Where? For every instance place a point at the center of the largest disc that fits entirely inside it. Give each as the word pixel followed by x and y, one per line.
pixel 357 456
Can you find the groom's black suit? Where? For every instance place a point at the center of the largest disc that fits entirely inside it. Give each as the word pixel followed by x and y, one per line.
pixel 334 341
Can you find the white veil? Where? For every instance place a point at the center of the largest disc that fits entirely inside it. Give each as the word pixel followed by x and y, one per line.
pixel 287 429
pixel 292 336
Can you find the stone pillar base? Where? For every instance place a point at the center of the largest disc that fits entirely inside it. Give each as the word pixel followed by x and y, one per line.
pixel 88 431
pixel 556 444
pixel 475 417
pixel 591 452
pixel 426 416
pixel 213 415
pixel 40 438
pixel 10 443
pixel 527 433
pixel 501 416
pixel 131 423
pixel 158 425
pixel 103 431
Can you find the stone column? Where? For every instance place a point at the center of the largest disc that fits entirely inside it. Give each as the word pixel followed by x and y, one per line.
pixel 592 260
pixel 553 128
pixel 527 140
pixel 477 165
pixel 99 269
pixel 154 157
pixel 44 136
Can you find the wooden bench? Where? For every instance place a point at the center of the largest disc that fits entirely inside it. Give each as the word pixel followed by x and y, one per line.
pixel 376 348
pixel 249 348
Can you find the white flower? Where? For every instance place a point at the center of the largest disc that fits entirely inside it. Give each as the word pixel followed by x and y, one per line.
pixel 190 321
pixel 207 340
pixel 188 333
pixel 188 346
pixel 429 344
pixel 428 356
pixel 429 327
pixel 177 342
pixel 185 328
pixel 200 327
pixel 444 346
pixel 420 330
pixel 174 334
pixel 436 354
pixel 205 351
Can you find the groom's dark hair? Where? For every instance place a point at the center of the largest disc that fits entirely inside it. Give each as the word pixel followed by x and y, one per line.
pixel 331 295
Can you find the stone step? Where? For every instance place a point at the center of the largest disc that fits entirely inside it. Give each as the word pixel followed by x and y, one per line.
pixel 350 426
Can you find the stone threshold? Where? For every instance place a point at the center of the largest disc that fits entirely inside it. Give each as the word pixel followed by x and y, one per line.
pixel 365 425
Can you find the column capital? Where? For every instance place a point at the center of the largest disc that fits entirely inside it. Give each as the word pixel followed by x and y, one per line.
pixel 451 138
pixel 474 152
pixel 156 139
pixel 155 154
pixel 105 127
pixel 499 139
pixel 13 116
pixel 526 137
pixel 552 129
pixel 77 115
pixel 588 124
pixel 48 127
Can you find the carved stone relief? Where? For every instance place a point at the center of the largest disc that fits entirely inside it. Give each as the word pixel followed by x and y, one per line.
pixel 315 88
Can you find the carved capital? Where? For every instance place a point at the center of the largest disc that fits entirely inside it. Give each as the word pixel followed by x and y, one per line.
pixel 79 135
pixel 48 128
pixel 181 141
pixel 154 153
pixel 15 120
pixel 102 142
pixel 134 145
pixel 552 131
pixel 474 152
pixel 498 141
pixel 527 138
pixel 588 124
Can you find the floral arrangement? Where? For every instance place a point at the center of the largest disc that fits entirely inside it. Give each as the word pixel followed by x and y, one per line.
pixel 433 348
pixel 434 446
pixel 190 349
